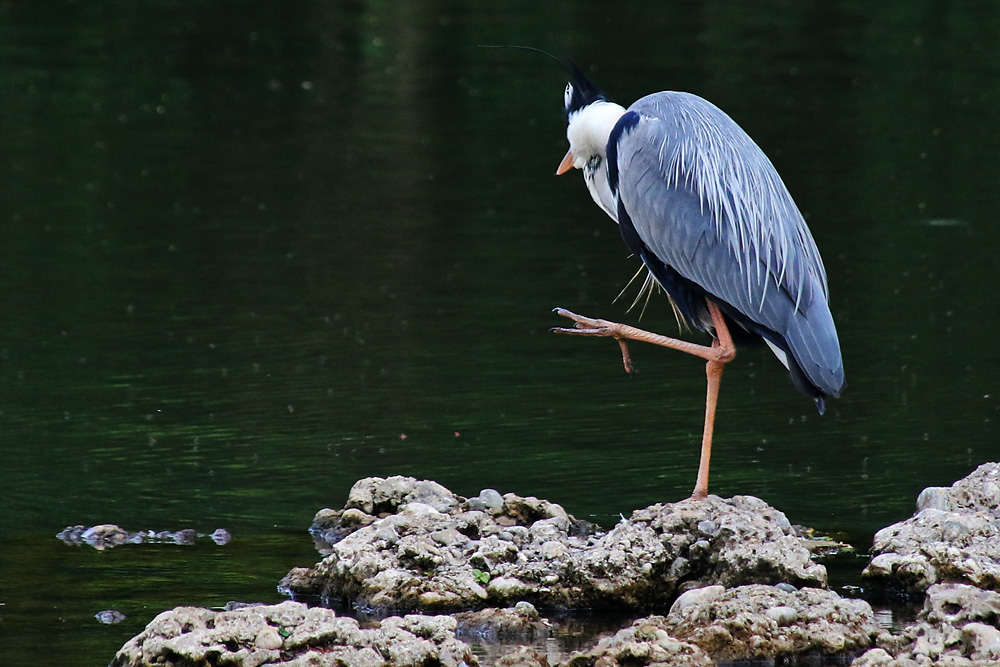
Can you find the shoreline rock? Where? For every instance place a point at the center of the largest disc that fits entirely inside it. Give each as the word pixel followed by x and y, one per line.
pixel 958 626
pixel 290 634
pixel 704 627
pixel 954 537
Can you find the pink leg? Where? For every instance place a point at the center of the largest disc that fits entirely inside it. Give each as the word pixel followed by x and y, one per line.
pixel 720 353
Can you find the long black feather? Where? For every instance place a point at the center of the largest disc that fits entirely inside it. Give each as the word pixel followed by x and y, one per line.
pixel 582 90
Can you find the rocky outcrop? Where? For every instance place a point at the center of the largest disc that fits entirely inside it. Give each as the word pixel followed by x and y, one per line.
pixel 291 634
pixel 401 544
pixel 953 537
pixel 663 550
pixel 959 626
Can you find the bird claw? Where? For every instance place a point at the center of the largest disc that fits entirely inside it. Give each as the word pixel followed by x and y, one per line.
pixel 587 326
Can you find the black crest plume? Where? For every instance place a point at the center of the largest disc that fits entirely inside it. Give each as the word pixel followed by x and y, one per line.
pixel 579 93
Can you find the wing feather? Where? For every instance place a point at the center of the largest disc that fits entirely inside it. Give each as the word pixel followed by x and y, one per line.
pixel 707 203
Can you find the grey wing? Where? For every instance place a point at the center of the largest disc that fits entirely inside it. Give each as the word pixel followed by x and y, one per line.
pixel 707 202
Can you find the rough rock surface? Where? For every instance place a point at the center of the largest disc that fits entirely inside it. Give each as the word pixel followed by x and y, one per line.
pixel 767 622
pixel 953 537
pixel 107 535
pixel 646 642
pixel 523 656
pixel 404 544
pixel 291 634
pixel 755 622
pixel 959 626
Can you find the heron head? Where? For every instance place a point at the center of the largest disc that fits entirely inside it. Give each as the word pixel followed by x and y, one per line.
pixel 590 117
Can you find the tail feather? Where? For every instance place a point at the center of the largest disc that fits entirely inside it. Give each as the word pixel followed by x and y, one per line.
pixel 817 368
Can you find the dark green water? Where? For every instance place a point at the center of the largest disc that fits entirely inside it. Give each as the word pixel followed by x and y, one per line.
pixel 254 252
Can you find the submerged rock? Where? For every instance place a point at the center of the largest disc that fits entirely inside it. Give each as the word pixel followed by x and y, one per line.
pixel 109 616
pixel 428 549
pixel 958 626
pixel 522 622
pixel 292 634
pixel 107 535
pixel 953 537
pixel 100 536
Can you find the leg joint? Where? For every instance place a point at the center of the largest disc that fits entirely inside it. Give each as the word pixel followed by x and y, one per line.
pixel 725 354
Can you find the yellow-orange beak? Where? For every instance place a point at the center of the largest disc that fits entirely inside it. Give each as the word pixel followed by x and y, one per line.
pixel 566 164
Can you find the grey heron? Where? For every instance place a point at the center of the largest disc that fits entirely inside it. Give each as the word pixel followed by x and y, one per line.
pixel 705 210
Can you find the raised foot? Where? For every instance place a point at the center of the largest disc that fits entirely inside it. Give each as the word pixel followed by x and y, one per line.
pixel 588 326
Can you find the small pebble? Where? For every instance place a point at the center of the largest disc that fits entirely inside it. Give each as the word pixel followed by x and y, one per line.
pixel 491 499
pixel 696 596
pixel 387 533
pixel 707 528
pixel 268 639
pixel 552 549
pixel 352 516
pixel 933 497
pixel 782 615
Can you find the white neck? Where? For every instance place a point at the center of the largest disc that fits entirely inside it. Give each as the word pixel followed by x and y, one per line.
pixel 588 132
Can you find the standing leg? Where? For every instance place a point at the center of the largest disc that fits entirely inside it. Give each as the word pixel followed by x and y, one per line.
pixel 723 344
pixel 713 371
pixel 720 353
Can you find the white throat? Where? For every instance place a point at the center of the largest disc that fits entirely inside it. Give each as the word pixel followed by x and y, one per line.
pixel 588 132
